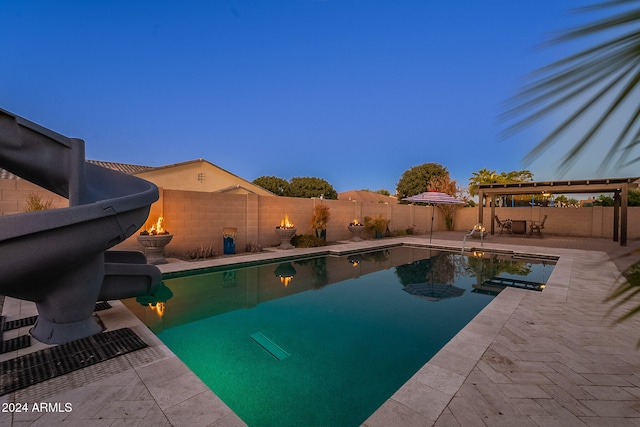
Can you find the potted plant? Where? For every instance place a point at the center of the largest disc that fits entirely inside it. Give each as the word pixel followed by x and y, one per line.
pixel 319 220
pixel 377 224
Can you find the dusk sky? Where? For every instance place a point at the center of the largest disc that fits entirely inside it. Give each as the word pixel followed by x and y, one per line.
pixel 351 91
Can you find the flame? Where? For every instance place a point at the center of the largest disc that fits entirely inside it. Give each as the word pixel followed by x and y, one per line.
pixel 285 280
pixel 285 222
pixel 158 308
pixel 158 227
pixel 355 222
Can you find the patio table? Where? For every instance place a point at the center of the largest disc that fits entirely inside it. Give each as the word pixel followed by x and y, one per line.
pixel 519 226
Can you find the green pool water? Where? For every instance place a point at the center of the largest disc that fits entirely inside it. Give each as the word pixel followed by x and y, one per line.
pixel 333 344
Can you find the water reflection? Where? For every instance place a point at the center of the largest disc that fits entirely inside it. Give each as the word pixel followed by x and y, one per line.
pixel 432 278
pixel 429 274
pixel 494 272
pixel 285 272
pixel 156 304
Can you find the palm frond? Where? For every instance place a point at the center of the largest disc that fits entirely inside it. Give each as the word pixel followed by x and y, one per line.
pixel 605 76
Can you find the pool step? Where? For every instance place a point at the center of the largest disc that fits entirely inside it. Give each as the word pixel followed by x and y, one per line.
pixel 502 282
pixel 273 348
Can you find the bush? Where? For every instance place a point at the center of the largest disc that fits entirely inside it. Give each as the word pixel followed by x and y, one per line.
pixel 377 224
pixel 35 203
pixel 202 252
pixel 307 241
pixel 254 247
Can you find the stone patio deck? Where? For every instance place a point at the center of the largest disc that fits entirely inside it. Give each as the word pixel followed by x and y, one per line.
pixel 538 359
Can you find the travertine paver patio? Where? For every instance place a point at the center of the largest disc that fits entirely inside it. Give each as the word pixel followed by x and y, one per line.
pixel 549 358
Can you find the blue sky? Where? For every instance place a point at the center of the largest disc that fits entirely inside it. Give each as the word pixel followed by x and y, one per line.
pixel 352 91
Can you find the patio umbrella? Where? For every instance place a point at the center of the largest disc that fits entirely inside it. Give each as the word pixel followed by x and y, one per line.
pixel 434 198
pixel 433 291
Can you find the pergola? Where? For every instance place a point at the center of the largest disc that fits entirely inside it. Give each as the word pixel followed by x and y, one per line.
pixel 618 186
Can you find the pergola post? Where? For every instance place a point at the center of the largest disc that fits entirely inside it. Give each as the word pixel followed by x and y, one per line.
pixel 616 214
pixel 623 214
pixel 480 207
pixel 493 211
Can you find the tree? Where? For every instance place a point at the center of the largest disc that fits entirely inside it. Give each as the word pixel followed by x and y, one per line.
pixel 449 186
pixel 311 187
pixel 486 176
pixel 274 184
pixel 416 179
pixel 563 201
pixel 604 80
pixel 517 176
pixel 483 176
pixel 603 200
pixel 297 187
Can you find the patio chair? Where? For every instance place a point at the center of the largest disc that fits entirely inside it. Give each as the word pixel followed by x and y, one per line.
pixel 536 227
pixel 504 225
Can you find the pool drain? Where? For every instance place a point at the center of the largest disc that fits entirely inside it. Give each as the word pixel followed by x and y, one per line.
pixel 274 349
pixel 51 362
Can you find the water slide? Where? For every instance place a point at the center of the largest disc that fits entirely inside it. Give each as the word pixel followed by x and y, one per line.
pixel 59 258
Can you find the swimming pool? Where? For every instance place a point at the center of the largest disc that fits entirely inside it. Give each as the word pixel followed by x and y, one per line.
pixel 325 341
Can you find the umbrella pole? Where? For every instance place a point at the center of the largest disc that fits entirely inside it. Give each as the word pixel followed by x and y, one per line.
pixel 431 231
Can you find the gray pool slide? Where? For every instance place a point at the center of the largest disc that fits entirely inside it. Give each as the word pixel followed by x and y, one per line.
pixel 58 258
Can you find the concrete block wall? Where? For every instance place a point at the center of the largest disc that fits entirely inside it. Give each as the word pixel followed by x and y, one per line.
pixel 595 221
pixel 14 194
pixel 197 219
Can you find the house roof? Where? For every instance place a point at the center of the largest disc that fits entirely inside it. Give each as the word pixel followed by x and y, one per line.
pixel 5 174
pixel 366 196
pixel 133 169
pixel 243 183
pixel 127 168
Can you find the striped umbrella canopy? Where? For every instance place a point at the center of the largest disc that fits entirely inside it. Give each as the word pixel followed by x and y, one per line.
pixel 433 291
pixel 434 198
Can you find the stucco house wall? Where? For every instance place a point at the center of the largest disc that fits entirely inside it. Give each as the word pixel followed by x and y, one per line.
pixel 200 175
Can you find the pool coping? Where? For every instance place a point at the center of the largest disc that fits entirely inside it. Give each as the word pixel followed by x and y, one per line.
pixel 420 401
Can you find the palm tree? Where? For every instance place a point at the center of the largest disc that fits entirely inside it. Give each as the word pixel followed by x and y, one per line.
pixel 486 176
pixel 483 176
pixel 604 78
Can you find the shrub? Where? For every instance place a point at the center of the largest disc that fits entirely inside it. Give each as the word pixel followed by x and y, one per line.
pixel 400 232
pixel 320 218
pixel 377 224
pixel 307 241
pixel 254 247
pixel 35 203
pixel 203 252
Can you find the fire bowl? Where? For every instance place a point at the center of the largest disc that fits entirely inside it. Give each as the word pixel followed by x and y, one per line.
pixel 356 231
pixel 154 247
pixel 285 235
